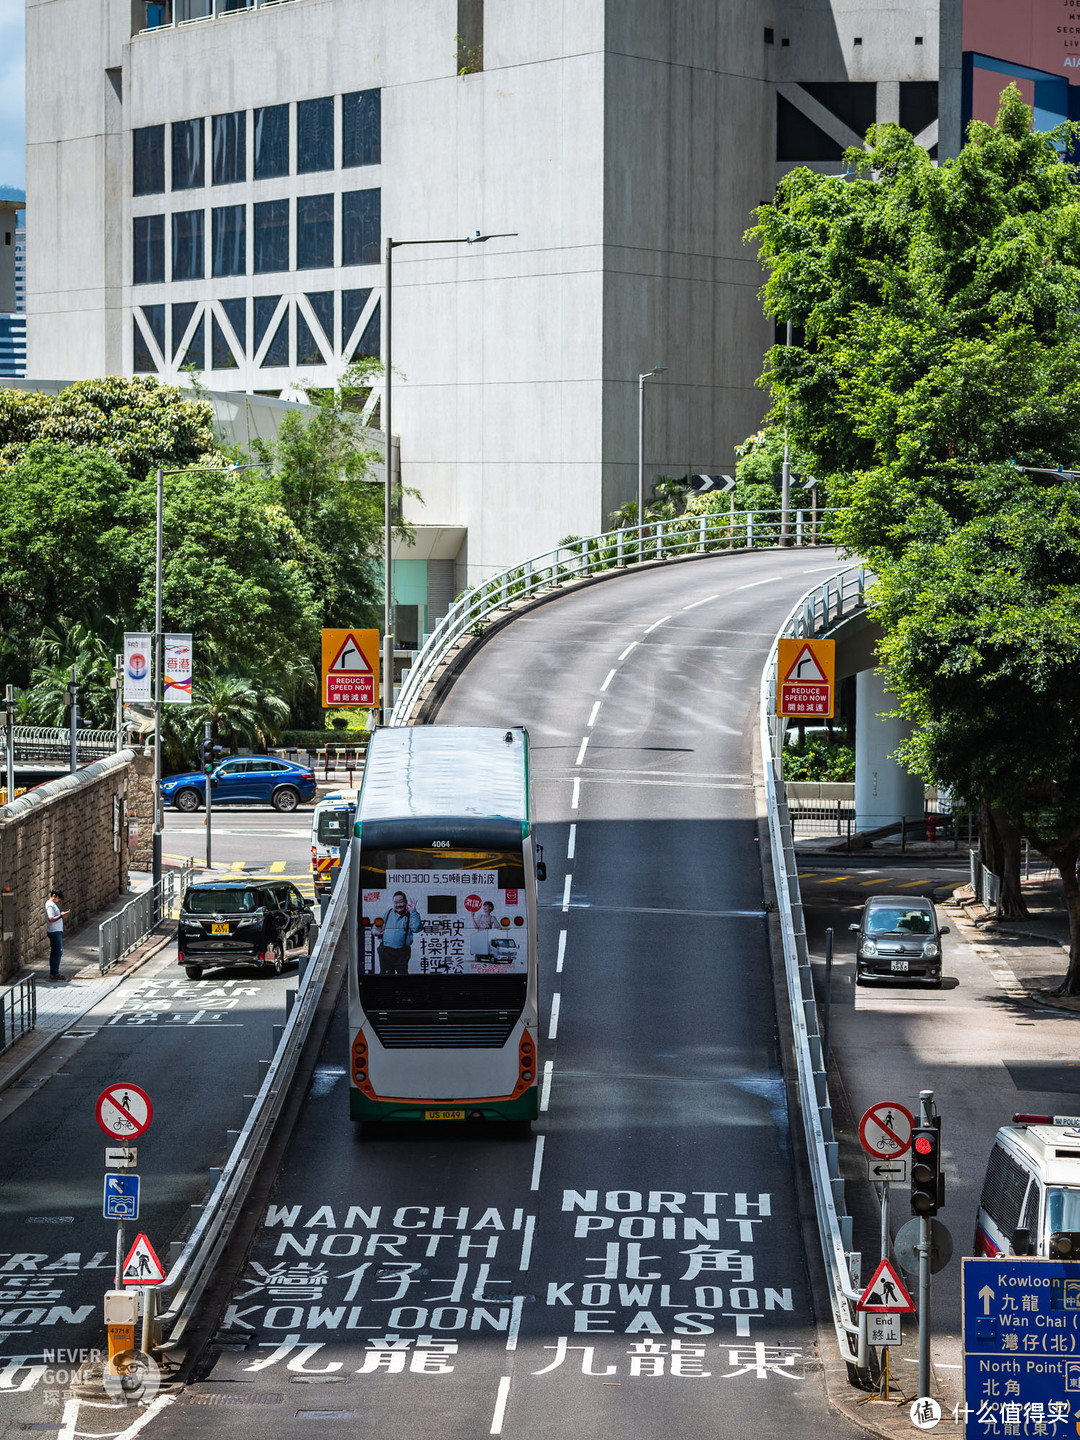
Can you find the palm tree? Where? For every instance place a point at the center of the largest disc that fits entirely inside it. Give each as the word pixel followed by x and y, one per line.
pixel 46 697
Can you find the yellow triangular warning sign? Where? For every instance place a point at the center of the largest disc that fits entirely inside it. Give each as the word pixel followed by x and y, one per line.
pixel 350 658
pixel 142 1266
pixel 806 670
pixel 886 1293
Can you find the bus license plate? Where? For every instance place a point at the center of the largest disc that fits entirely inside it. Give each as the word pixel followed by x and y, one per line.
pixel 222 928
pixel 900 966
pixel 444 1114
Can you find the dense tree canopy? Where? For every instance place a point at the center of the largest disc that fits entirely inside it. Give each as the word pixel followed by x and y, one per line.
pixel 939 355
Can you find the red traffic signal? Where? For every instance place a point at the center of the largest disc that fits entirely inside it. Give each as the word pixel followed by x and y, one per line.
pixel 927 1181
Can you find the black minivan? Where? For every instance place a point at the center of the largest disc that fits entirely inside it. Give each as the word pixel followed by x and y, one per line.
pixel 242 922
pixel 899 939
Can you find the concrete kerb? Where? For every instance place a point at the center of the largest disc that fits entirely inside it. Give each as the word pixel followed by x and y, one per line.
pixel 458 654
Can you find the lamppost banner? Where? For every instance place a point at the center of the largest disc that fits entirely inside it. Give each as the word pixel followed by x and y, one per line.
pixel 177 670
pixel 137 678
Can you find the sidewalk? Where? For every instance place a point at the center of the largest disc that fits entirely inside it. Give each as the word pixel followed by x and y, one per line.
pixel 59 1006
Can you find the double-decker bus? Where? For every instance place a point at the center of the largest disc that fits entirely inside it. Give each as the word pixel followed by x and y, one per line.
pixel 442 979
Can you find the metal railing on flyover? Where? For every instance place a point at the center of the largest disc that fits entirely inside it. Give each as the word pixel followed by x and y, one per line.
pixel 193 1268
pixel 577 558
pixel 18 1010
pixel 48 743
pixel 816 612
pixel 121 932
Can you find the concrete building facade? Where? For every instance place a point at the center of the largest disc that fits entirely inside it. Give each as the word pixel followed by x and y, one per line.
pixel 214 187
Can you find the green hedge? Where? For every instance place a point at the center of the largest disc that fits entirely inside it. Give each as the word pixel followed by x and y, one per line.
pixel 316 739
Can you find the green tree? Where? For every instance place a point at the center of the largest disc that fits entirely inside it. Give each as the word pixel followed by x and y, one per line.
pixel 982 642
pixel 94 660
pixel 938 306
pixel 140 423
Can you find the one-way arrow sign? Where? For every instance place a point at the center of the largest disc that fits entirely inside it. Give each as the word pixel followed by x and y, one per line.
pixel 704 484
pixel 895 1171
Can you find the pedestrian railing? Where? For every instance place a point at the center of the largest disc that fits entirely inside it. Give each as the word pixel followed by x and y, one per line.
pixel 576 558
pixel 119 935
pixel 18 1010
pixel 985 885
pixel 816 612
pixel 45 744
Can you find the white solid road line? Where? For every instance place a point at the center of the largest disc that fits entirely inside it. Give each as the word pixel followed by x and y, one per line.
pixel 566 893
pixel 701 602
pixel 527 1242
pixel 581 752
pixel 500 1406
pixel 562 952
pixel 657 623
pixel 610 676
pixel 515 1322
pixel 571 843
pixel 769 580
pixel 576 796
pixel 538 1162
pixel 545 1088
pixel 553 1023
pixel 593 714
pixel 631 646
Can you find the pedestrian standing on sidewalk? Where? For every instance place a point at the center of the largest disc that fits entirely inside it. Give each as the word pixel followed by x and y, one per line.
pixel 54 928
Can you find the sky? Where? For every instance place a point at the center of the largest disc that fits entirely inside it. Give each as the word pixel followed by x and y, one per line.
pixel 12 109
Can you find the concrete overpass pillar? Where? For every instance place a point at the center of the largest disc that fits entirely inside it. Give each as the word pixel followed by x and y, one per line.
pixel 884 791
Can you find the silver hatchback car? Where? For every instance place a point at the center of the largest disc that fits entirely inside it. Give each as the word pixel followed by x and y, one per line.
pixel 899 939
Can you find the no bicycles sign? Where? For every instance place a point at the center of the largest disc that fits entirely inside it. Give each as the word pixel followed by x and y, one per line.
pixel 885 1130
pixel 124 1111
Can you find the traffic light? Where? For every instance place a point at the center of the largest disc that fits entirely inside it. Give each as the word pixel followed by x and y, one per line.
pixel 927 1181
pixel 209 754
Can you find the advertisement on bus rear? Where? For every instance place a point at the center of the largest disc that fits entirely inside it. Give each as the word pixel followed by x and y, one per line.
pixel 434 921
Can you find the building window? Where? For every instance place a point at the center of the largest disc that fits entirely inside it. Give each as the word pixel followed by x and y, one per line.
pixel 187 154
pixel 148 160
pixel 352 307
pixel 271 236
pixel 307 347
pixel 229 240
pixel 277 352
pixel 142 360
pixel 182 315
pixel 271 142
pixel 188 230
pixel 361 128
pixel 236 314
pixel 230 148
pixel 360 227
pixel 315 135
pixel 221 356
pixel 265 307
pixel 314 232
pixel 148 257
pixel 196 351
pixel 368 344
pixel 322 303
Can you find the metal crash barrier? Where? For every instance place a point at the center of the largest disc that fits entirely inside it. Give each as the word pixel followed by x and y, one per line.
pixel 815 613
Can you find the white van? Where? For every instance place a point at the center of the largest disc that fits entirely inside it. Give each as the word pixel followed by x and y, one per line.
pixel 331 830
pixel 1030 1202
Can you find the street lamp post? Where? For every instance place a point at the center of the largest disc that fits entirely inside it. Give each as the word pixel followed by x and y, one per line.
pixel 159 648
pixel 386 680
pixel 785 474
pixel 656 370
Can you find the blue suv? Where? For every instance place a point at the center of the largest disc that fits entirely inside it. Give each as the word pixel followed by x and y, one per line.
pixel 243 780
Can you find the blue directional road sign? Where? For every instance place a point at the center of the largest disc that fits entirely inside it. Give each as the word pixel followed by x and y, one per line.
pixel 1021 1347
pixel 121 1197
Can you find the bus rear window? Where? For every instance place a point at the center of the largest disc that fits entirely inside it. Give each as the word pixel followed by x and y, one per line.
pixel 442 912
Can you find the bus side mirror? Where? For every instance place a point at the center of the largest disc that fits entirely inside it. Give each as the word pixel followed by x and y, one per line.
pixel 1021 1240
pixel 541 870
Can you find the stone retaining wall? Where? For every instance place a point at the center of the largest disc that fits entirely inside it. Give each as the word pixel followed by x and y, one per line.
pixel 71 833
